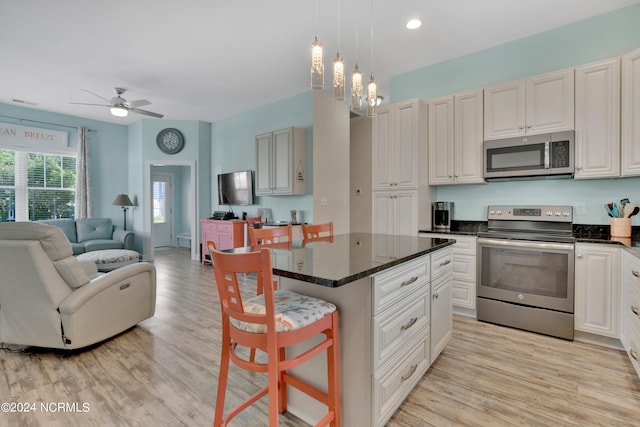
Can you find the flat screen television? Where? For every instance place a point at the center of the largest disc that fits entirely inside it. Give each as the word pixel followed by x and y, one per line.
pixel 235 188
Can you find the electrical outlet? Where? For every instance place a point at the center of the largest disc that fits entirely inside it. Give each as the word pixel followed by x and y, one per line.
pixel 581 208
pixel 323 201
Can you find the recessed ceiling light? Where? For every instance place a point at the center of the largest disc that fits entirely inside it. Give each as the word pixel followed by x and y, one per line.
pixel 414 23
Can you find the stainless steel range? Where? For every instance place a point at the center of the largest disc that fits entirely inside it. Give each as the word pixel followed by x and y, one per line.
pixel 526 269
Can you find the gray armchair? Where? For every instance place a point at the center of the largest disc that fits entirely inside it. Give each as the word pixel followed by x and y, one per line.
pixel 50 299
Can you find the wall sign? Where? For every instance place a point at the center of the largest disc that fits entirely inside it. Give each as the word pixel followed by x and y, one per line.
pixel 25 136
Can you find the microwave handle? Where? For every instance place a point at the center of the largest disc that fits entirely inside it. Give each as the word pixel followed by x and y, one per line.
pixel 546 155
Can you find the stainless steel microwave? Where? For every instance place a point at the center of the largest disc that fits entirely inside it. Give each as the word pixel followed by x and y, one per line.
pixel 545 155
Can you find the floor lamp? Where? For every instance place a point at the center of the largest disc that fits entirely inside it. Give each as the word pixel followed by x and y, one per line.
pixel 124 201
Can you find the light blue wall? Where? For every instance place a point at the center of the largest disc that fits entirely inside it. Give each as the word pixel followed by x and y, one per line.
pixel 601 37
pixel 233 148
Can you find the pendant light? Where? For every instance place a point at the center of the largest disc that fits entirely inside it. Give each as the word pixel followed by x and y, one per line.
pixel 317 60
pixel 372 86
pixel 338 67
pixel 356 76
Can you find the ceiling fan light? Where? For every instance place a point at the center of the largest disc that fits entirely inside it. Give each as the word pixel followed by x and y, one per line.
pixel 119 112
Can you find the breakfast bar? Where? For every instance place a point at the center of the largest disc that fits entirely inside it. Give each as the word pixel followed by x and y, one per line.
pixel 393 294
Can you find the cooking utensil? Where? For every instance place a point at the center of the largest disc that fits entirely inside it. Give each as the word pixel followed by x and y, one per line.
pixel 615 210
pixel 635 211
pixel 608 207
pixel 627 210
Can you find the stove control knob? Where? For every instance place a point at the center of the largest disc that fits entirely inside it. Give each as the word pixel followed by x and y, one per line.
pixel 558 213
pixel 566 213
pixel 498 212
pixel 492 212
pixel 549 213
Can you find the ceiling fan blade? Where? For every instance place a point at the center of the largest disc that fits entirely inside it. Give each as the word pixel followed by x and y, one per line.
pixel 138 103
pixel 146 113
pixel 85 103
pixel 94 94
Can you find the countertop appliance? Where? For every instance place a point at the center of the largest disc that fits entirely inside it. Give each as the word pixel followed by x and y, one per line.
pixel 526 269
pixel 547 155
pixel 442 214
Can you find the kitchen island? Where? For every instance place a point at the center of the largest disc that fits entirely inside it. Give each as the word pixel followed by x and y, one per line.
pixel 393 294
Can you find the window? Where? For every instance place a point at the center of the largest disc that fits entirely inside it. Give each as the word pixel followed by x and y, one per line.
pixel 159 202
pixel 36 186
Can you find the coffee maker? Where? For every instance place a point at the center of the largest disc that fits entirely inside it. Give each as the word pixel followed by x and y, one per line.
pixel 442 214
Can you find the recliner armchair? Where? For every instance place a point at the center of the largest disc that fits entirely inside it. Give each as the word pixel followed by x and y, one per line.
pixel 50 299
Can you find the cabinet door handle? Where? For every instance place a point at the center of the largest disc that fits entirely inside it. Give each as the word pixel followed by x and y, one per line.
pixel 408 282
pixel 436 295
pixel 409 324
pixel 635 273
pixel 410 374
pixel 443 263
pixel 635 310
pixel 632 353
pixel 579 256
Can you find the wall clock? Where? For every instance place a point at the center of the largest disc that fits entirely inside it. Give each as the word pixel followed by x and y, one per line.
pixel 170 141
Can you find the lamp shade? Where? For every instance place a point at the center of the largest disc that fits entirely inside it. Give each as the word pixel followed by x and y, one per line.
pixel 122 200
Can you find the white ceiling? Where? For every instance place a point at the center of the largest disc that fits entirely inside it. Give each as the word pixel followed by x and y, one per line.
pixel 210 59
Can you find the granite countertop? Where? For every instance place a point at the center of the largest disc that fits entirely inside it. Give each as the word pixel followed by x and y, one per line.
pixel 582 233
pixel 348 257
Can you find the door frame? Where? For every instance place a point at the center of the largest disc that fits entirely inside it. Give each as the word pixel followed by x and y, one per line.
pixel 147 245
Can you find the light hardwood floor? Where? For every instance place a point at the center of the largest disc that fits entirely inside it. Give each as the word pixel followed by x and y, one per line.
pixel 163 373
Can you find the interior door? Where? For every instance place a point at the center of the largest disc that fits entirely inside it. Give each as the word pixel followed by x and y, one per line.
pixel 162 206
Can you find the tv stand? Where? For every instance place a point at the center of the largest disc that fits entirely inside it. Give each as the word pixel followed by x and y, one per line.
pixel 225 234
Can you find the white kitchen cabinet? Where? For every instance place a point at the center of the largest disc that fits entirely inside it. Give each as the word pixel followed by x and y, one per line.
pixel 395 212
pixel 441 304
pixel 463 286
pixel 281 162
pixel 597 289
pixel 631 113
pixel 630 307
pixel 401 322
pixel 539 104
pixel 455 139
pixel 397 135
pixel 597 137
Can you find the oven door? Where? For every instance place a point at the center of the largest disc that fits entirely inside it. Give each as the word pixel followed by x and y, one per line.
pixel 536 274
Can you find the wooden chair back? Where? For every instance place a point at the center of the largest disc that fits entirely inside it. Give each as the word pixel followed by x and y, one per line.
pixel 271 236
pixel 253 220
pixel 317 232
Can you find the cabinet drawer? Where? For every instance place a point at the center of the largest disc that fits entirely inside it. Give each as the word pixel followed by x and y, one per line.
pixel 394 328
pixel 392 285
pixel 226 227
pixel 463 294
pixel 634 347
pixel 441 263
pixel 464 267
pixel 464 245
pixel 632 275
pixel 390 389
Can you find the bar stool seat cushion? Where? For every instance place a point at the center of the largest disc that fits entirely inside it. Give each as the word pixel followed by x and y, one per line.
pixel 293 311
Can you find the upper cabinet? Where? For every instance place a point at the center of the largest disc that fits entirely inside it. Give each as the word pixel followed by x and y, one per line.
pixel 597 107
pixel 536 105
pixel 631 113
pixel 396 139
pixel 455 139
pixel 281 162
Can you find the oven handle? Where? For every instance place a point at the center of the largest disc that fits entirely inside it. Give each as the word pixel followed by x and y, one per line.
pixel 569 247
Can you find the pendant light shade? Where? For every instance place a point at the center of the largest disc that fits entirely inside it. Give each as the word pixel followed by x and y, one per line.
pixel 356 89
pixel 317 65
pixel 372 97
pixel 338 78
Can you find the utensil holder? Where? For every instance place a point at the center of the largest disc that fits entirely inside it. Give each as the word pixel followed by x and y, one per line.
pixel 620 227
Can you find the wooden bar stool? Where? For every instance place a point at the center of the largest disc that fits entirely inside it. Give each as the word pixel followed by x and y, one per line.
pixel 271 235
pixel 253 220
pixel 317 232
pixel 272 322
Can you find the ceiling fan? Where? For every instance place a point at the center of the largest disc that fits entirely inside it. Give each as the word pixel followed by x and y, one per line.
pixel 120 107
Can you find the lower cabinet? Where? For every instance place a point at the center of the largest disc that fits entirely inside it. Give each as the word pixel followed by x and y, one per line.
pixel 630 307
pixel 597 289
pixel 463 287
pixel 225 235
pixel 411 324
